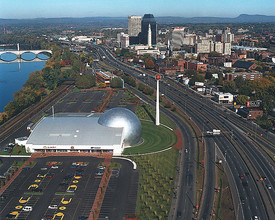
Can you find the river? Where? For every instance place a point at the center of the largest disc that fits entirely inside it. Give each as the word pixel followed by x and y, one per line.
pixel 14 75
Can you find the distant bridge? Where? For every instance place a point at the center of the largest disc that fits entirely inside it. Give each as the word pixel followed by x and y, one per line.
pixel 19 52
pixel 23 61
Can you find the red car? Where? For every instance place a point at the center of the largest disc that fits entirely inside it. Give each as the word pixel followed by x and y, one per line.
pixel 241 176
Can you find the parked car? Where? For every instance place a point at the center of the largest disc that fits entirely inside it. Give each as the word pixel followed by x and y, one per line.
pixel 54 167
pixel 44 168
pixel 101 167
pixel 53 206
pixel 99 172
pixel 27 208
pixel 26 168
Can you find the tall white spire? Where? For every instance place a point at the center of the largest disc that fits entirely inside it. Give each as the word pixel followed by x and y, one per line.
pixel 149 37
pixel 157 100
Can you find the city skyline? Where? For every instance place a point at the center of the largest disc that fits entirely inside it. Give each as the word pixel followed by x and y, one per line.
pixel 19 9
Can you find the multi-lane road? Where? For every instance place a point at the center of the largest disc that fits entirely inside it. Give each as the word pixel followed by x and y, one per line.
pixel 241 146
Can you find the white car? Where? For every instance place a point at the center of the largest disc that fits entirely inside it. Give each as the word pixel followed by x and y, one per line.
pixel 44 168
pixel 53 207
pixel 27 209
pixel 54 167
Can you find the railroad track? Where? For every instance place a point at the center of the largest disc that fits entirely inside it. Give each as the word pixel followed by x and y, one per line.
pixel 17 121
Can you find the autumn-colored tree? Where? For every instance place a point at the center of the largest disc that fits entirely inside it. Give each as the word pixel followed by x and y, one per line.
pixel 149 64
pixel 259 84
pixel 3 117
pixel 242 99
pixel 102 85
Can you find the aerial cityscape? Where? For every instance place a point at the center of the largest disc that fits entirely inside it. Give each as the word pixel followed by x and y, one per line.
pixel 137 110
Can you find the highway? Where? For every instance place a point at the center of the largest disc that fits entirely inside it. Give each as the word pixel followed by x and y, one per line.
pixel 242 155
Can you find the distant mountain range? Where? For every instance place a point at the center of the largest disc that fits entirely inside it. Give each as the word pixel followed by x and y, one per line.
pixel 243 18
pixel 122 21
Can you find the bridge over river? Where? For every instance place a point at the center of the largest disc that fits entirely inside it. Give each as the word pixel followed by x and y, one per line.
pixel 19 53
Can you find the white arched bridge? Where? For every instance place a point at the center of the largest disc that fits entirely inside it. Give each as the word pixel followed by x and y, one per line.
pixel 19 52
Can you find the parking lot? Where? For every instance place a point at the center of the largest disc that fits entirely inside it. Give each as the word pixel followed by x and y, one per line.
pixel 65 188
pixel 85 101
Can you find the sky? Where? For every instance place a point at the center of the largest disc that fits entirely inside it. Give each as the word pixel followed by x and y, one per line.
pixel 124 8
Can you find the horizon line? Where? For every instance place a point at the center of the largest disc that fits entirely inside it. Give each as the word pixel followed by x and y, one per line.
pixel 131 15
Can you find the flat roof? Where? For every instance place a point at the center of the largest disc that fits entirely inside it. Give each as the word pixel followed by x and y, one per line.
pixel 74 130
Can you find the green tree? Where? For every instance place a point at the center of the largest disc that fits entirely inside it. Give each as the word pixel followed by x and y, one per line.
pixel 11 109
pixel 190 73
pixel 196 78
pixel 245 89
pixel 116 83
pixel 208 75
pixel 229 86
pixel 141 86
pixel 239 81
pixel 85 81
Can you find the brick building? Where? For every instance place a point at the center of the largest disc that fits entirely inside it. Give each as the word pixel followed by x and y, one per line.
pixel 245 75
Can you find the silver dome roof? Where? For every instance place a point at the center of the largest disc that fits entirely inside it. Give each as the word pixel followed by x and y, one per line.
pixel 123 117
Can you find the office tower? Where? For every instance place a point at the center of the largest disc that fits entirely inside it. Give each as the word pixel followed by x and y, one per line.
pixel 124 41
pixel 143 36
pixel 134 25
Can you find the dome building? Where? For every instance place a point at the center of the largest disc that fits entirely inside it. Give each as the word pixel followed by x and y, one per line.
pixel 84 132
pixel 126 119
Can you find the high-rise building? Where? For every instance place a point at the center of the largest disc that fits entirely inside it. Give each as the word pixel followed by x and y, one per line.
pixel 227 48
pixel 143 36
pixel 134 25
pixel 218 47
pixel 178 35
pixel 123 40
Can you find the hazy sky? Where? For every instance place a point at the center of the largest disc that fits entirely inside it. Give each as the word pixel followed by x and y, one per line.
pixel 123 8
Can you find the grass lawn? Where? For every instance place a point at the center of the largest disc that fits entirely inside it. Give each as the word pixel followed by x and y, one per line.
pixel 155 138
pixel 145 111
pixel 157 172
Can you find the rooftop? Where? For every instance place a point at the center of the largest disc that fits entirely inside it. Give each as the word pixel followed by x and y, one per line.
pixel 74 129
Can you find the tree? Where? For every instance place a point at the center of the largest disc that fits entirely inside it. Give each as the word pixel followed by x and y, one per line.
pixel 11 109
pixel 245 89
pixel 242 99
pixel 196 78
pixel 102 85
pixel 116 83
pixel 190 73
pixel 149 64
pixel 141 86
pixel 148 90
pixel 3 117
pixel 208 75
pixel 239 81
pixel 229 86
pixel 85 81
